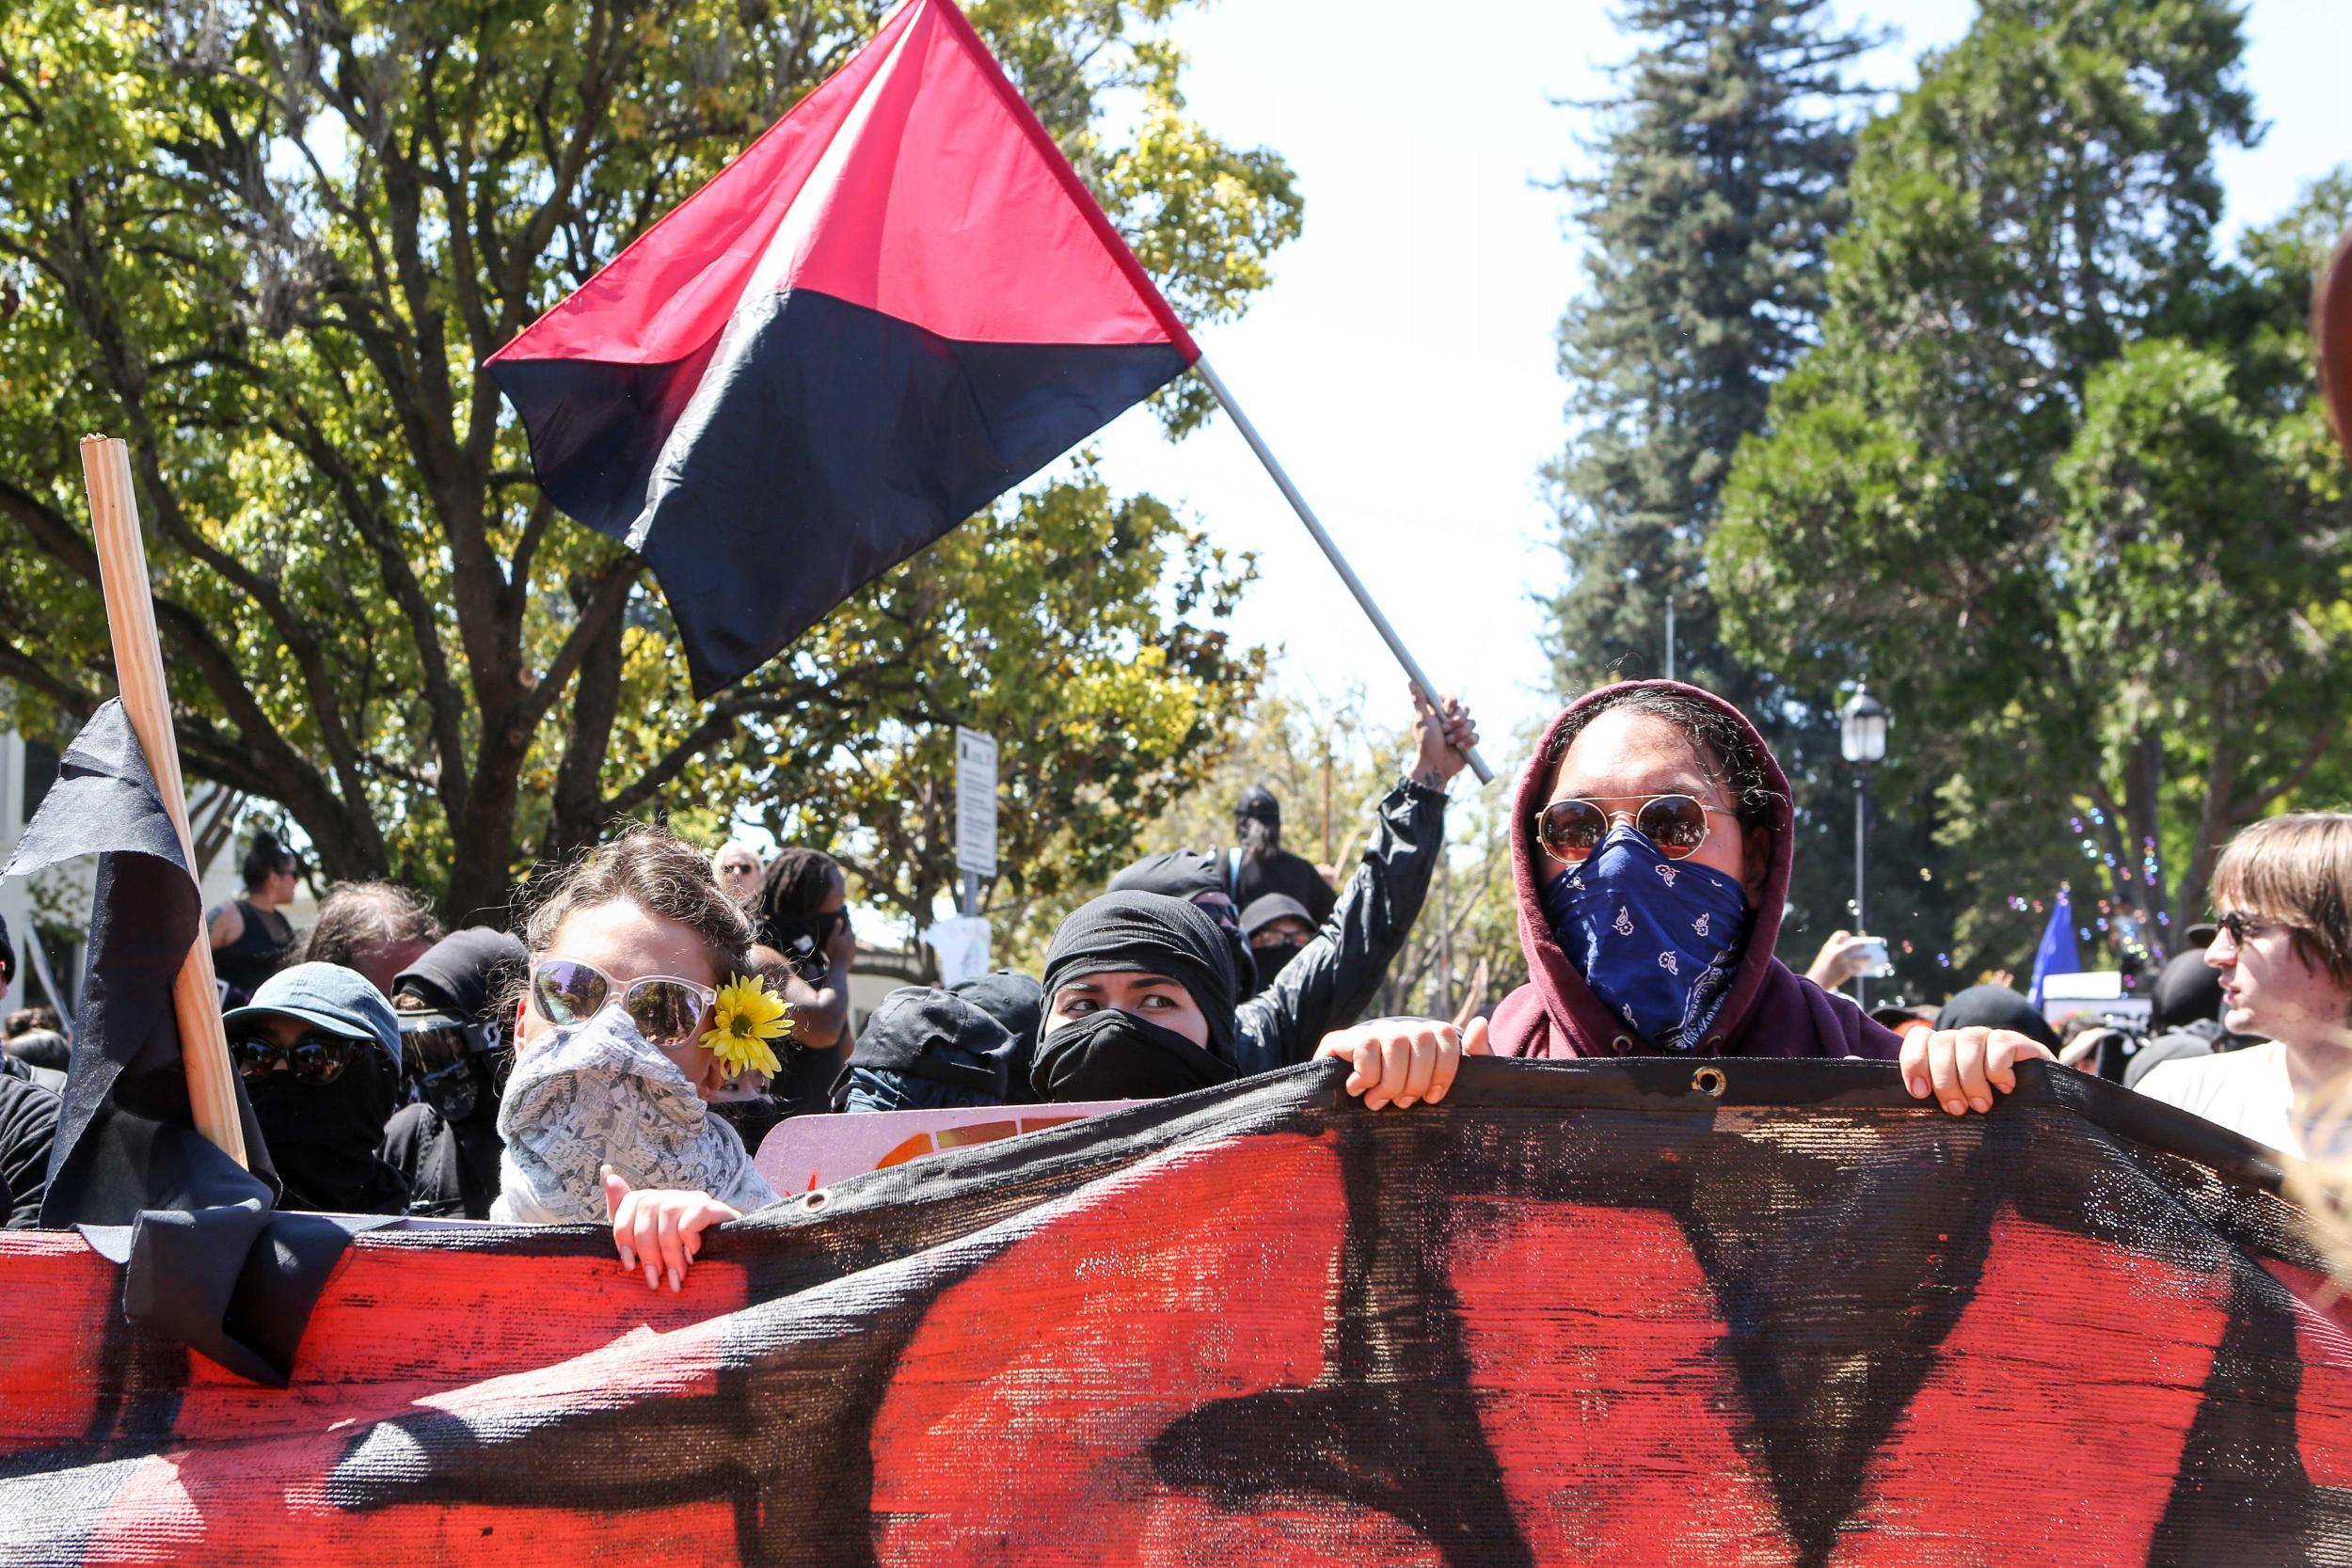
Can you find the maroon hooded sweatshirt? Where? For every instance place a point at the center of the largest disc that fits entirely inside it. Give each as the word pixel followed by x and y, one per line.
pixel 1769 1011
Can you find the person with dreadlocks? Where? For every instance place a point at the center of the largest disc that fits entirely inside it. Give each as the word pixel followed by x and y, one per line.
pixel 1260 867
pixel 800 924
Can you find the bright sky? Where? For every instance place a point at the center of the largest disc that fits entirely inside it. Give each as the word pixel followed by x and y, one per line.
pixel 1402 363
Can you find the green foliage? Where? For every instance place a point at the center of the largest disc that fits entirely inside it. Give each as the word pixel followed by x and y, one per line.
pixel 1719 181
pixel 269 244
pixel 2055 475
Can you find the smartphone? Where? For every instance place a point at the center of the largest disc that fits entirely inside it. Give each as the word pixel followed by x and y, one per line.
pixel 1876 964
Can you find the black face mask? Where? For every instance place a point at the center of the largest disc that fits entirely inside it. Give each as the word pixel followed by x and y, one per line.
pixel 1273 960
pixel 1252 978
pixel 323 1137
pixel 1117 1056
pixel 462 1091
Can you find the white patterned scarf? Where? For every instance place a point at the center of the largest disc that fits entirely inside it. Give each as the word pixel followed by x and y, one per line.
pixel 601 1095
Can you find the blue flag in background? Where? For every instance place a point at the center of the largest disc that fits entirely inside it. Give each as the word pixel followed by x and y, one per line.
pixel 2057 954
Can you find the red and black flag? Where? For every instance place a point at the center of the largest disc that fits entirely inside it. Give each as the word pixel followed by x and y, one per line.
pixel 896 305
pixel 1772 1314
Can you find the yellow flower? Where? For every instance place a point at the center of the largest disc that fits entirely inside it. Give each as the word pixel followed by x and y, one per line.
pixel 746 1016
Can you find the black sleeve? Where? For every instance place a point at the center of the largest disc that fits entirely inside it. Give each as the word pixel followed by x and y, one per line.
pixel 28 1126
pixel 1336 977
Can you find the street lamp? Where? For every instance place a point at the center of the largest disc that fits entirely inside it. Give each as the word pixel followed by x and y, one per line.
pixel 1861 737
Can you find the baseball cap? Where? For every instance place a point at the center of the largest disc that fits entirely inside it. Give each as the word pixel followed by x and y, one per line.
pixel 342 1002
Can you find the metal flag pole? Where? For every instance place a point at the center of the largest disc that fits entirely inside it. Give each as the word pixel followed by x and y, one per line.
pixel 1331 550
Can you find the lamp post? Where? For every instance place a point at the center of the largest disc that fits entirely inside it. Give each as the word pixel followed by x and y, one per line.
pixel 1861 737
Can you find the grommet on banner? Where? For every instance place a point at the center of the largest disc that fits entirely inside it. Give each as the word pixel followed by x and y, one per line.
pixel 814 1199
pixel 1709 1081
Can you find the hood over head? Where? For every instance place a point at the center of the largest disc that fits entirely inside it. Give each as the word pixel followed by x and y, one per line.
pixel 1767 1010
pixel 1153 932
pixel 1175 874
pixel 466 973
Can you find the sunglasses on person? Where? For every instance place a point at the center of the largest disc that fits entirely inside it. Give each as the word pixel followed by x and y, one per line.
pixel 313 1059
pixel 2244 927
pixel 668 1011
pixel 1571 829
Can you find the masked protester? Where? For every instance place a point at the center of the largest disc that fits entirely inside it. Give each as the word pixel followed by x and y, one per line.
pixel 454 1024
pixel 606 1112
pixel 1140 995
pixel 1259 867
pixel 319 1051
pixel 1651 849
pixel 1278 928
pixel 1328 983
pixel 926 1049
pixel 801 923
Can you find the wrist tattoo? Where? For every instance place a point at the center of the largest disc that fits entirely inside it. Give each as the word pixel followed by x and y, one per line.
pixel 1428 778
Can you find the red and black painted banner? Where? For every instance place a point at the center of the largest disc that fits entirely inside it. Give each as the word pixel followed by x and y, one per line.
pixel 1623 1313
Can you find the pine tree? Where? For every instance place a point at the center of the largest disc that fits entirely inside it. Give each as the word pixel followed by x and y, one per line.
pixel 1719 179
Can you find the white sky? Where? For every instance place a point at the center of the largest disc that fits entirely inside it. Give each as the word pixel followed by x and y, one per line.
pixel 1401 362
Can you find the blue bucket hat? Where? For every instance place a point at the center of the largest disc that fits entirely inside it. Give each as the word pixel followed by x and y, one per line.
pixel 330 997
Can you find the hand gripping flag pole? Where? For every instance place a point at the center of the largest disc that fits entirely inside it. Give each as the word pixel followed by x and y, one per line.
pixel 1331 550
pixel 139 673
pixel 896 305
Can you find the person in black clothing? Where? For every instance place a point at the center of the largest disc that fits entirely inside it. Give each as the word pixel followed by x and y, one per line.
pixel 1193 876
pixel 802 926
pixel 319 1051
pixel 1278 928
pixel 926 1049
pixel 250 938
pixel 1324 987
pixel 455 1012
pixel 1259 865
pixel 28 1126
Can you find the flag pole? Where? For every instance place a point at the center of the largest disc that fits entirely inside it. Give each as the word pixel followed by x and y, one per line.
pixel 140 674
pixel 1330 549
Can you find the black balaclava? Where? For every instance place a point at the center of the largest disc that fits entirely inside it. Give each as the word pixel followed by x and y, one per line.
pixel 1117 1056
pixel 1997 1007
pixel 1187 874
pixel 1256 804
pixel 796 883
pixel 323 1137
pixel 2188 990
pixel 466 975
pixel 1264 911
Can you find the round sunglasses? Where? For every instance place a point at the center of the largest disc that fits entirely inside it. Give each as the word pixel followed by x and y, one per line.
pixel 313 1059
pixel 1571 829
pixel 668 1011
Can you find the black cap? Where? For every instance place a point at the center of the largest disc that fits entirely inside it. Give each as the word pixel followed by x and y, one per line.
pixel 2201 933
pixel 1270 908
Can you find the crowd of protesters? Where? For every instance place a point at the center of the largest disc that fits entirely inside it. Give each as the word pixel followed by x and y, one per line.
pixel 658 1008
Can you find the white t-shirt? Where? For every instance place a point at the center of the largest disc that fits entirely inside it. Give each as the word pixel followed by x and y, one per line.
pixel 2246 1091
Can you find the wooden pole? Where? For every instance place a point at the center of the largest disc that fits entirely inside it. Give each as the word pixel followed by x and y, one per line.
pixel 140 674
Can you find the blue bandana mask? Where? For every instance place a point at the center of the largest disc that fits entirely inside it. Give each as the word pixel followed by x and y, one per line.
pixel 1659 941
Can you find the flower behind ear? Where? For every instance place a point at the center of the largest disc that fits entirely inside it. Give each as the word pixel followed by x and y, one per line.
pixel 744 1018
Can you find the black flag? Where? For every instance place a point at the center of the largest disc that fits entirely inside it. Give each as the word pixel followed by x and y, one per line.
pixel 203 1248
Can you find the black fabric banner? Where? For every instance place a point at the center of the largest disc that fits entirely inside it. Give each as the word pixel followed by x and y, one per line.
pixel 1646 1311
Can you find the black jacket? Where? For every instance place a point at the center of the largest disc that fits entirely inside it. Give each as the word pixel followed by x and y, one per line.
pixel 451 1168
pixel 28 1126
pixel 1335 977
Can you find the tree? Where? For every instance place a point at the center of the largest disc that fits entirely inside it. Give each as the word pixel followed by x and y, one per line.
pixel 1719 180
pixel 2055 475
pixel 270 243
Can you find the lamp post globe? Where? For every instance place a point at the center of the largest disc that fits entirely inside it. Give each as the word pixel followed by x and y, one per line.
pixel 1861 737
pixel 1861 729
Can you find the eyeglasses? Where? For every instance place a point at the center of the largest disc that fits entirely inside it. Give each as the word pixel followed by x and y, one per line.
pixel 2244 927
pixel 1570 830
pixel 313 1059
pixel 668 1011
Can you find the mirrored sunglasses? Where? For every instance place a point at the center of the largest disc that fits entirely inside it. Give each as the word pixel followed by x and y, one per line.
pixel 1571 829
pixel 668 1011
pixel 313 1059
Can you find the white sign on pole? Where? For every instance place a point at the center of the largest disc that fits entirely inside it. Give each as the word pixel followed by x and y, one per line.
pixel 976 802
